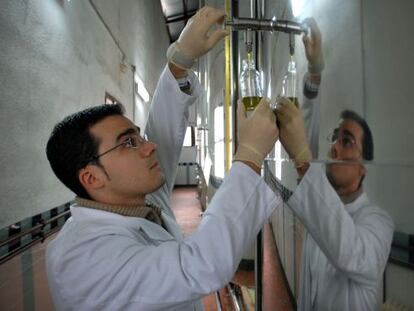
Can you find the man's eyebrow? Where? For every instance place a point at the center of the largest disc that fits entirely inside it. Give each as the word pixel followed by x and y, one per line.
pixel 349 133
pixel 128 131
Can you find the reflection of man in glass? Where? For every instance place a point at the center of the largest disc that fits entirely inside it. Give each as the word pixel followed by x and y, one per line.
pixel 349 238
pixel 351 141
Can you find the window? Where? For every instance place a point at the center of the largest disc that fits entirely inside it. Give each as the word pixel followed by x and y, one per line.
pixel 189 138
pixel 219 142
pixel 110 100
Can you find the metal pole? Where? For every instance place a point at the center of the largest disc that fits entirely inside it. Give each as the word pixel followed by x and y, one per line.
pixel 227 102
pixel 258 263
pixel 234 79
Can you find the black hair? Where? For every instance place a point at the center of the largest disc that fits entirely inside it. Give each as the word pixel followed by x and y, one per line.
pixel 367 139
pixel 71 146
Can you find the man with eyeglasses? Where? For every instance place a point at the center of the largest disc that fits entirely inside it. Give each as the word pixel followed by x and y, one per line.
pixel 348 238
pixel 122 248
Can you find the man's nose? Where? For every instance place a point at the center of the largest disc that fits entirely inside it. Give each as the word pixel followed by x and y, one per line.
pixel 335 150
pixel 147 148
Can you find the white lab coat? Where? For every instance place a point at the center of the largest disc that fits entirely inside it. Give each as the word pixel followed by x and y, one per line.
pixel 105 261
pixel 346 246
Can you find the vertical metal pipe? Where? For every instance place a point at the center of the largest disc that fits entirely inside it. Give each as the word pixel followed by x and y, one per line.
pixel 259 240
pixel 232 295
pixel 227 95
pixel 234 43
pixel 253 13
pixel 133 68
pixel 258 270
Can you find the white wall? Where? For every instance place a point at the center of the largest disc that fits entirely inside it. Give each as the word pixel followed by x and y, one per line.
pixel 389 66
pixel 388 47
pixel 140 28
pixel 57 57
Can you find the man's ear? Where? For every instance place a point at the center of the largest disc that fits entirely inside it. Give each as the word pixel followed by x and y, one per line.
pixel 91 178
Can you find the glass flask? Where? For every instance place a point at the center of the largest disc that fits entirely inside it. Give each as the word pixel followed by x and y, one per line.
pixel 250 85
pixel 289 82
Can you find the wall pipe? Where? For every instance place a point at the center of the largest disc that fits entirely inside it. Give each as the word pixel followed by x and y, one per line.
pixel 258 263
pixel 227 100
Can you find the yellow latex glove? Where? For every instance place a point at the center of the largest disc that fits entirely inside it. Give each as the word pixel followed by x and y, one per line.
pixel 292 131
pixel 194 40
pixel 256 134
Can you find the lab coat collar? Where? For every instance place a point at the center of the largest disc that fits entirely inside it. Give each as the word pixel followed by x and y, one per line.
pixel 352 197
pixel 357 204
pixel 154 231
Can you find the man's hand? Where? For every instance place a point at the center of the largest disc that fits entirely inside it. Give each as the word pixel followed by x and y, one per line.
pixel 313 47
pixel 292 132
pixel 194 40
pixel 256 134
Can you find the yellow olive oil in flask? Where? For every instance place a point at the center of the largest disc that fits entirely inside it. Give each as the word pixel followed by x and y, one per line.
pixel 289 82
pixel 250 84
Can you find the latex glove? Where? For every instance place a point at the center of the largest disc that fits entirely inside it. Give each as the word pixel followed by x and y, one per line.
pixel 313 47
pixel 194 40
pixel 256 134
pixel 292 131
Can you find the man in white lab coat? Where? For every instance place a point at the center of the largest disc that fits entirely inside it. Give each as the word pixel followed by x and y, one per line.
pixel 348 238
pixel 122 248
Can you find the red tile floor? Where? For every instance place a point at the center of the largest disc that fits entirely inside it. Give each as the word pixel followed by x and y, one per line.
pixel 186 206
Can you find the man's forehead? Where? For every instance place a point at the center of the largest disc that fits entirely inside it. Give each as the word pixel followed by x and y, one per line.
pixel 350 126
pixel 111 126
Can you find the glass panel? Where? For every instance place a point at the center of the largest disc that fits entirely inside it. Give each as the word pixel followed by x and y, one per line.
pixel 365 75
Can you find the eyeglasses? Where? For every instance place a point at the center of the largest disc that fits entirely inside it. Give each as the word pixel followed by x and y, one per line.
pixel 132 142
pixel 346 140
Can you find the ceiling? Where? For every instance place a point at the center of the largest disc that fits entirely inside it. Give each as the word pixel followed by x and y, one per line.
pixel 176 13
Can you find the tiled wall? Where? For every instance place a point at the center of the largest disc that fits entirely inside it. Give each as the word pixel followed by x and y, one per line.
pixel 23 281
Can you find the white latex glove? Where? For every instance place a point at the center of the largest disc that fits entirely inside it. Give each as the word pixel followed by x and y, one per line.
pixel 292 131
pixel 313 47
pixel 194 40
pixel 256 134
